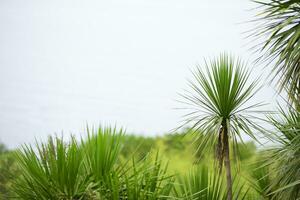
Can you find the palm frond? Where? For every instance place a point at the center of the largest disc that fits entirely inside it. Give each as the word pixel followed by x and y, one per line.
pixel 279 23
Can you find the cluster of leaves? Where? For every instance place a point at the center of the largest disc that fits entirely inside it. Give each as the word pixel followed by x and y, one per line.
pixel 88 170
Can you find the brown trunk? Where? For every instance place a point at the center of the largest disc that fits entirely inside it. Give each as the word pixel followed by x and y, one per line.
pixel 227 165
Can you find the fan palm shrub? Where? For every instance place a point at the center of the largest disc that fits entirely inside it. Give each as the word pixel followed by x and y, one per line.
pixel 89 170
pixel 279 25
pixel 217 104
pixel 51 171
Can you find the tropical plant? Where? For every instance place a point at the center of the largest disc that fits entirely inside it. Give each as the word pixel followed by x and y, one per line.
pixel 284 158
pixel 115 180
pixel 89 170
pixel 279 23
pixel 51 171
pixel 101 150
pixel 217 106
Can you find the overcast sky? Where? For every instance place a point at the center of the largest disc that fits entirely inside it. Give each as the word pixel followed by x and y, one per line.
pixel 65 64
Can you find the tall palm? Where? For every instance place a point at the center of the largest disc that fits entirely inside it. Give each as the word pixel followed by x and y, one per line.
pixel 217 102
pixel 279 24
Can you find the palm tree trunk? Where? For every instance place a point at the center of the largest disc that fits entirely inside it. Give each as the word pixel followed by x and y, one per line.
pixel 227 164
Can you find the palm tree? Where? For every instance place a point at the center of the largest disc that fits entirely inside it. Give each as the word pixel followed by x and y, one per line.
pixel 279 23
pixel 217 107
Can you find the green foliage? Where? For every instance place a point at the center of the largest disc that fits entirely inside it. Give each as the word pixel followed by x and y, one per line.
pixel 261 177
pixel 175 142
pixel 61 170
pixel 218 108
pixel 280 24
pixel 246 150
pixel 137 146
pixel 110 165
pixel 52 171
pixel 205 184
pixel 284 157
pixel 101 151
pixel 91 170
pixel 148 181
pixel 8 171
pixel 202 184
pixel 95 168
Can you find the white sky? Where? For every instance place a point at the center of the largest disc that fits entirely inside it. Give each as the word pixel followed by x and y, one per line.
pixel 66 63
